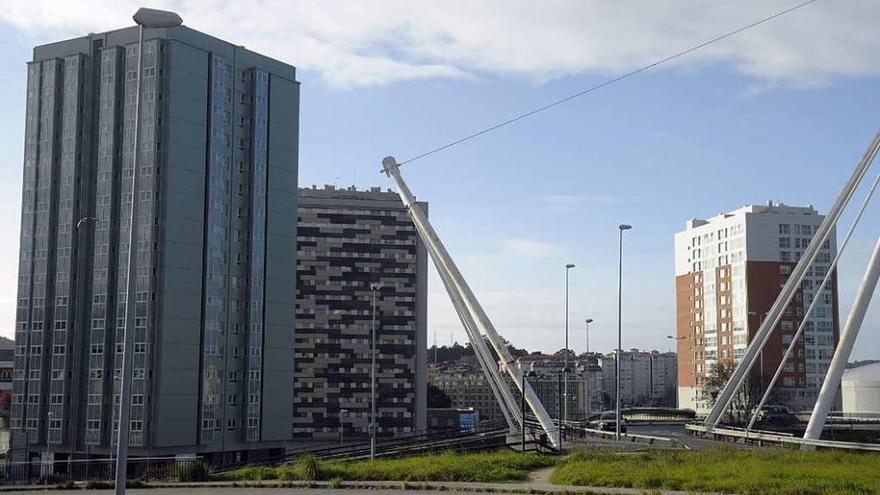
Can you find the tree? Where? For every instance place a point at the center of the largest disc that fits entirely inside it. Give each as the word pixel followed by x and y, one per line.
pixel 744 401
pixel 437 398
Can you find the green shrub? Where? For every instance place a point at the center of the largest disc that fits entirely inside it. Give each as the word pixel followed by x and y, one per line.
pixel 309 467
pixel 336 482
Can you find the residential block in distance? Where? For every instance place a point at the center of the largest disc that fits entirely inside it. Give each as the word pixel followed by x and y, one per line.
pixel 729 270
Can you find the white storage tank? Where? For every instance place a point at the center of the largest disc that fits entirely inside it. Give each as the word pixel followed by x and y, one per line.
pixel 860 390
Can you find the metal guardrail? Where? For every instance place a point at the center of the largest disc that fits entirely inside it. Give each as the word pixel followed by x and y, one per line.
pixel 141 469
pixel 582 432
pixel 762 437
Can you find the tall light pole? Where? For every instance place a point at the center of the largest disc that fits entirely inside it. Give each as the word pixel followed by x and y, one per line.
pixel 761 317
pixel 568 267
pixel 145 18
pixel 677 357
pixel 522 403
pixel 374 287
pixel 617 417
pixel 587 374
pixel 46 459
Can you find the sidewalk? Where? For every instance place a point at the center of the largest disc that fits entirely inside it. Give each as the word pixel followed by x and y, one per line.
pixel 537 485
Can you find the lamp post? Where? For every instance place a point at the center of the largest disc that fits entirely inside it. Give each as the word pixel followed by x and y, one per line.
pixel 46 456
pixel 342 413
pixel 676 339
pixel 617 418
pixel 145 18
pixel 374 287
pixel 761 317
pixel 587 370
pixel 522 404
pixel 568 267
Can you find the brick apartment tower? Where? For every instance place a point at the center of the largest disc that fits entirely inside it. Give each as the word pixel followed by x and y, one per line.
pixel 729 270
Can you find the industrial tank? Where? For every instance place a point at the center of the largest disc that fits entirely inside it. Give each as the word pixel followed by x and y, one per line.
pixel 860 390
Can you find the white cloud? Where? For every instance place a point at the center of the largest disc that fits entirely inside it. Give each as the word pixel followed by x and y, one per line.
pixel 530 248
pixel 352 42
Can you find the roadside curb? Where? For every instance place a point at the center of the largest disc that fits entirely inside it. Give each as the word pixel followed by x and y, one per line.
pixel 456 486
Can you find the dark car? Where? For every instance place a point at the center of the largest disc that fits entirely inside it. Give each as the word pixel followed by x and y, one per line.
pixel 608 422
pixel 776 414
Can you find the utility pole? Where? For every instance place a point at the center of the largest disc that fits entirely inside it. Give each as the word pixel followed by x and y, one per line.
pixel 374 287
pixel 587 371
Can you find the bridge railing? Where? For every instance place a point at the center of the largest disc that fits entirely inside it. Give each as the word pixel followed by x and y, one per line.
pixel 766 437
pixel 103 470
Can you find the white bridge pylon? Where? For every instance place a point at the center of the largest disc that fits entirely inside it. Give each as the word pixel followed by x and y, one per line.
pixel 841 355
pixel 474 319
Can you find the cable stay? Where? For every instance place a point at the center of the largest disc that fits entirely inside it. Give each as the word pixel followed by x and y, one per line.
pixel 850 331
pixel 816 298
pixel 474 319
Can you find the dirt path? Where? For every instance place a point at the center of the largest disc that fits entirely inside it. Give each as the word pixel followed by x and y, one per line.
pixel 541 476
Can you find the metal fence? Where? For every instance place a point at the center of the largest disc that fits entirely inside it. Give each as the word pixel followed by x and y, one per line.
pixel 143 469
pixel 732 434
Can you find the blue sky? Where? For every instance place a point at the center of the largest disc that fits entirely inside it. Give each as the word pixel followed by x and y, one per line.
pixel 765 116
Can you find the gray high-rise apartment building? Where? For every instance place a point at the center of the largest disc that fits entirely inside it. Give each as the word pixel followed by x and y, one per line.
pixel 214 312
pixel 347 240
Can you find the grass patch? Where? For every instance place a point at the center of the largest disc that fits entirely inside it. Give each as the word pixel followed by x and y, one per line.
pixel 498 466
pixel 488 467
pixel 747 472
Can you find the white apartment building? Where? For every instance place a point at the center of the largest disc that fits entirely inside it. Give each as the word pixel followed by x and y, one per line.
pixel 729 270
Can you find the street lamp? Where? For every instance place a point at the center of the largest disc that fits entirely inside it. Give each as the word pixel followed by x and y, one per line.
pixel 145 18
pixel 342 413
pixel 617 417
pixel 761 317
pixel 587 372
pixel 46 459
pixel 568 267
pixel 693 356
pixel 84 220
pixel 522 404
pixel 374 287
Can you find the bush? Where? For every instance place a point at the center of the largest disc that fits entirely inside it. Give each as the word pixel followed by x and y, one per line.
pixel 251 473
pixel 308 466
pixel 336 482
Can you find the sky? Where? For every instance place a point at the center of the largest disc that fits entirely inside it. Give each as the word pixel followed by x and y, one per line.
pixel 781 112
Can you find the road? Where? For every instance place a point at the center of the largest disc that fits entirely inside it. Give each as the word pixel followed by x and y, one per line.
pixel 664 430
pixel 246 491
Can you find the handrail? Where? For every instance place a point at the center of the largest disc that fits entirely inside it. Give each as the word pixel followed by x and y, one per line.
pixel 785 439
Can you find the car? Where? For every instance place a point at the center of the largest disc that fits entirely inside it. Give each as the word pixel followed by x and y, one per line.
pixel 776 414
pixel 608 422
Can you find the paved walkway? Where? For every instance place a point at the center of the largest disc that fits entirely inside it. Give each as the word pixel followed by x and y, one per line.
pixel 273 487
